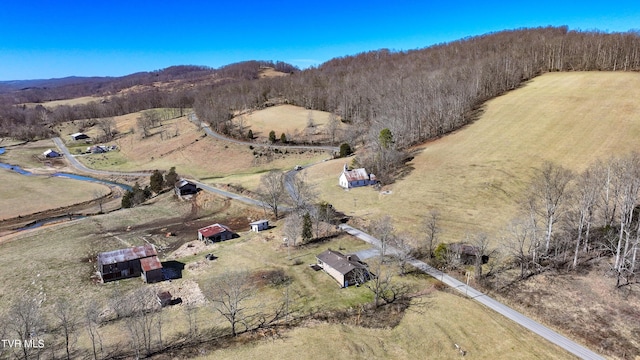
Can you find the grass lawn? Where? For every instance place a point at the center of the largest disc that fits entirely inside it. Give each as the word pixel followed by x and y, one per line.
pixel 476 175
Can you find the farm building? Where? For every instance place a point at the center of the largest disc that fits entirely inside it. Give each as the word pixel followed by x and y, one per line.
pixel 79 136
pixel 259 225
pixel 465 253
pixel 215 233
pixel 356 177
pixel 51 154
pixel 345 269
pixel 130 262
pixel 185 187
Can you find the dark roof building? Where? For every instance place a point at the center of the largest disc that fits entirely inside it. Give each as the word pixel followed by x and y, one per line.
pixel 127 263
pixel 345 269
pixel 185 187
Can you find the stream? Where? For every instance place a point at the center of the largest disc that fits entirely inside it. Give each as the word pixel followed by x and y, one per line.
pixel 38 223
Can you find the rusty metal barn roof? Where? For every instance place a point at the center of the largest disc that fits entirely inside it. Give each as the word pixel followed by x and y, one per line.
pixel 128 254
pixel 356 174
pixel 150 263
pixel 212 230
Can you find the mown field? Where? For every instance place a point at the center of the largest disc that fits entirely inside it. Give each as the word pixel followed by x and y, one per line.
pixel 476 176
pixel 30 194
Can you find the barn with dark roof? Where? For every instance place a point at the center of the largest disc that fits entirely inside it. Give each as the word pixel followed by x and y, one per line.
pixel 130 262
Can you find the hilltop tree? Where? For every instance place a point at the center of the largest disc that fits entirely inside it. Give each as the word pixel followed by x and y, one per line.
pixel 283 138
pixel 272 136
pixel 250 134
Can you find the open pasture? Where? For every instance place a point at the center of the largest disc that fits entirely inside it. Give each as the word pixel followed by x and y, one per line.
pixel 476 176
pixel 288 119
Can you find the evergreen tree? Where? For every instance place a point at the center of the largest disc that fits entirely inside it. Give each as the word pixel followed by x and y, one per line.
pixel 345 150
pixel 171 178
pixel 126 199
pixel 283 138
pixel 157 181
pixel 307 230
pixel 386 138
pixel 272 136
pixel 250 135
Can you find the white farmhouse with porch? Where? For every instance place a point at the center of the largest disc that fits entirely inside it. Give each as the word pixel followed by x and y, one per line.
pixel 356 177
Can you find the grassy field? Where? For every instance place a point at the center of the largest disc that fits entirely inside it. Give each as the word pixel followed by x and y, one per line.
pixel 69 102
pixel 287 119
pixel 476 175
pixel 429 332
pixel 190 151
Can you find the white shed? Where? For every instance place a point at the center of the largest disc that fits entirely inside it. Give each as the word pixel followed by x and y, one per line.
pixel 259 225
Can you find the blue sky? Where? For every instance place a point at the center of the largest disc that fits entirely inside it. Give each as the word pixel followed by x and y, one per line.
pixel 51 39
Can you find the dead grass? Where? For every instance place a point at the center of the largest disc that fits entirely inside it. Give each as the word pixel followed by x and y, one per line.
pixel 288 119
pixel 476 175
pixel 69 102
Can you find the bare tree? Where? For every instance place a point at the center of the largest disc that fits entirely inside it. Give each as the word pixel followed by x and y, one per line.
pixel 385 232
pixel 231 295
pixel 481 248
pixel 432 230
pixel 108 127
pixel 548 193
pixel 92 324
pixel 332 127
pixel 302 193
pixel 65 314
pixel 271 190
pixel 25 323
pixel 402 251
pixel 520 244
pixel 587 189
pixel 144 322
pixel 293 228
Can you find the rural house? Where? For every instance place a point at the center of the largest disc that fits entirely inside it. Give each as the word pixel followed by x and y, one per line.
pixel 51 154
pixel 79 136
pixel 345 269
pixel 215 233
pixel 356 177
pixel 259 225
pixel 130 262
pixel 185 187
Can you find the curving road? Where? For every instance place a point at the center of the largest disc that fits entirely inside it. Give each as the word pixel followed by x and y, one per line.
pixel 487 301
pixel 81 167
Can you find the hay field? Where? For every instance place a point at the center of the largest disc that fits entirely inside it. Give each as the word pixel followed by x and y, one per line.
pixel 70 102
pixel 427 333
pixel 476 175
pixel 288 119
pixel 35 193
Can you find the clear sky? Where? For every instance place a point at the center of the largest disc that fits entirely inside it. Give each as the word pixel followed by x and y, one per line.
pixel 57 38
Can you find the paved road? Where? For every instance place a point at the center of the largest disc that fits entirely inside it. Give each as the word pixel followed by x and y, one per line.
pixel 194 119
pixel 80 166
pixel 476 295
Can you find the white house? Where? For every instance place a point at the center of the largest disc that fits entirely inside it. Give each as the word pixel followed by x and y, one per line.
pixel 356 177
pixel 259 225
pixel 345 269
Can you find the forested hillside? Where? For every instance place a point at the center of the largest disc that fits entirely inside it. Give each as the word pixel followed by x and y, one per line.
pixel 425 93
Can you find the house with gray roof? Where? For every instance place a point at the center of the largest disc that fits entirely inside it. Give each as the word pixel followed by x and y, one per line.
pixel 347 269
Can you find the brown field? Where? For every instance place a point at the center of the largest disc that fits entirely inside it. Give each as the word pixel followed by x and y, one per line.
pixel 37 193
pixel 190 151
pixel 70 102
pixel 288 119
pixel 476 175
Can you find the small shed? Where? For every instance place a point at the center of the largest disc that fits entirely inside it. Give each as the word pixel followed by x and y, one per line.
pixel 164 298
pixel 215 233
pixel 79 136
pixel 51 154
pixel 151 269
pixel 259 225
pixel 466 253
pixel 185 187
